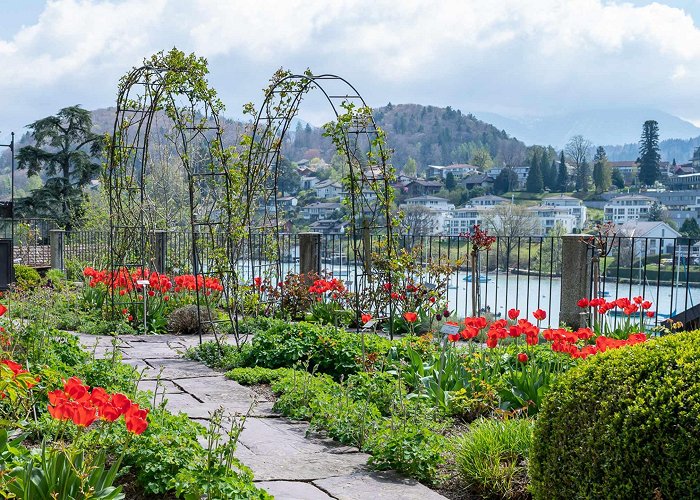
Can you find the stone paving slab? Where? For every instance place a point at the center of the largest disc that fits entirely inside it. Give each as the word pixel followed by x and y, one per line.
pixel 292 490
pixel 178 368
pixel 286 459
pixel 162 386
pixel 301 467
pixel 376 485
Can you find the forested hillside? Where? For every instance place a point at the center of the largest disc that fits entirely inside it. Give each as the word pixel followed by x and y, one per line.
pixel 430 135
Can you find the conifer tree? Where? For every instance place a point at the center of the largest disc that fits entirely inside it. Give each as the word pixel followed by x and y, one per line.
pixel 649 157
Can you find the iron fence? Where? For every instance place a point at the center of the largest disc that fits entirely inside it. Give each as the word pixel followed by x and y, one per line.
pixel 516 272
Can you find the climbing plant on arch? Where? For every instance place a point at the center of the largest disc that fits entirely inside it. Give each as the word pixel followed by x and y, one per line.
pixel 170 91
pixel 358 142
pixel 233 191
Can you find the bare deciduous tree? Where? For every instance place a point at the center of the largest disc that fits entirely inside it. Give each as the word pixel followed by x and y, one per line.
pixel 577 150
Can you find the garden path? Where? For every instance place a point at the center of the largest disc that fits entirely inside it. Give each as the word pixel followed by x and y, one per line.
pixel 287 461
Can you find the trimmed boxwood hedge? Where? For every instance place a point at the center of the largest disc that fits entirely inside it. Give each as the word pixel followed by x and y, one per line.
pixel 623 424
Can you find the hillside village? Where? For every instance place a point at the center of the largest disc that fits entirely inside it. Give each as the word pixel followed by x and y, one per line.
pixel 448 200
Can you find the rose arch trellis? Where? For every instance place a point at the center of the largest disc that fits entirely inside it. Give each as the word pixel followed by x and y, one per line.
pixel 367 175
pixel 233 191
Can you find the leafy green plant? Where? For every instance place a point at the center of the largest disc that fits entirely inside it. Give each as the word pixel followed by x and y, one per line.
pixel 56 279
pixel 224 356
pixel 623 424
pixel 525 387
pixel 409 448
pixel 439 377
pixel 61 473
pixel 26 278
pixel 256 375
pixel 491 457
pixel 297 390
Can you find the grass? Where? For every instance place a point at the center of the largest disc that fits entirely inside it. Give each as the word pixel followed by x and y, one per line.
pixel 491 456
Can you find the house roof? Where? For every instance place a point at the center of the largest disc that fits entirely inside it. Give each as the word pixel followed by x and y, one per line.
pixel 642 228
pixel 425 183
pixel 477 179
pixel 560 197
pixel 454 166
pixel 632 197
pixel 321 204
pixel 328 183
pixel 427 198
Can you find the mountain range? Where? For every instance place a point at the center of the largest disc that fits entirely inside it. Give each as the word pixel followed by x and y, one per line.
pixel 617 129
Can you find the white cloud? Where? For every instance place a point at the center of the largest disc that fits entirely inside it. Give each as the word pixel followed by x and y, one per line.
pixel 507 56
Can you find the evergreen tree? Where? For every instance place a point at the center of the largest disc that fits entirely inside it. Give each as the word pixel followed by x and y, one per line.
pixel 649 156
pixel 562 175
pixel 450 182
pixel 583 173
pixel 550 180
pixel 67 151
pixel 617 179
pixel 544 168
pixel 657 212
pixel 690 228
pixel 507 180
pixel 534 182
pixel 602 174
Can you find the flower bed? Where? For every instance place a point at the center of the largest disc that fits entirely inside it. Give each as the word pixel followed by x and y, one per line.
pixel 73 425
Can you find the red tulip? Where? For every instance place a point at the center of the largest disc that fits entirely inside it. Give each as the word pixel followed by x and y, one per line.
pixel 411 317
pixel 366 318
pixel 513 314
pixel 539 314
pixel 522 357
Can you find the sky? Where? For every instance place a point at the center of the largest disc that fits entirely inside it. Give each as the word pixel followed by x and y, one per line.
pixel 512 57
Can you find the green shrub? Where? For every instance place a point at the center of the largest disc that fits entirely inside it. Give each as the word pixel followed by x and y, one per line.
pixel 623 424
pixel 297 390
pixel 382 388
pixel 407 447
pixel 327 349
pixel 345 419
pixel 256 375
pixel 491 457
pixel 56 278
pixel 225 357
pixel 26 278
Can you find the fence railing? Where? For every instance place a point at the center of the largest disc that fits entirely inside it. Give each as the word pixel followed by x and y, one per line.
pixel 525 273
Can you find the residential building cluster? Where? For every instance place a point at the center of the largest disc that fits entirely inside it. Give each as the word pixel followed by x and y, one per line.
pixel 318 203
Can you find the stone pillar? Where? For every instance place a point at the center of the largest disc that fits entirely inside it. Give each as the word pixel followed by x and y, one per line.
pixel 309 253
pixel 56 241
pixel 160 246
pixel 575 279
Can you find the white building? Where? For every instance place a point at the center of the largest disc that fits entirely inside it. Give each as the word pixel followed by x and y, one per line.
pixel 308 182
pixel 440 208
pixel 489 200
pixel 320 210
pixel 549 217
pixel 329 189
pixel 464 219
pixel 574 207
pixel 651 238
pixel 627 208
pixel 459 170
pixel 432 202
